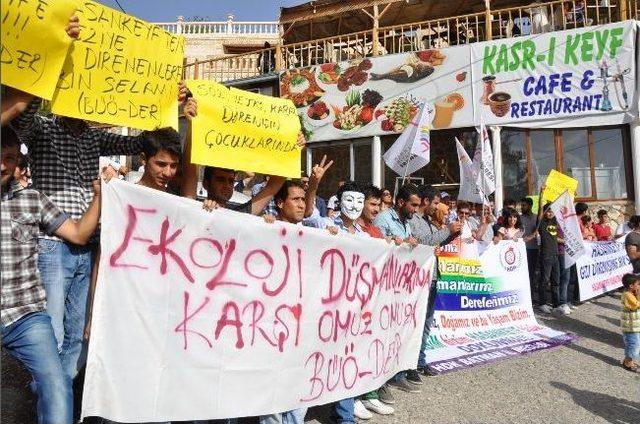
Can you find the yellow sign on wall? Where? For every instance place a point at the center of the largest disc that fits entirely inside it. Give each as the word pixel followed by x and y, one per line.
pixel 557 183
pixel 122 71
pixel 34 44
pixel 245 131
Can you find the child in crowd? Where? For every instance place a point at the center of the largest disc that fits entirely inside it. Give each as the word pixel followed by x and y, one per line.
pixel 589 233
pixel 630 321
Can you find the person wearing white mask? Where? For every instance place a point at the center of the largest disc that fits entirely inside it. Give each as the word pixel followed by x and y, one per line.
pixel 350 199
pixel 351 202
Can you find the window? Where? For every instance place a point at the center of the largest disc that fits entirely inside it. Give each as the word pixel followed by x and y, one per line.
pixel 339 171
pixel 577 159
pixel 514 163
pixel 362 162
pixel 597 158
pixel 543 157
pixel 609 164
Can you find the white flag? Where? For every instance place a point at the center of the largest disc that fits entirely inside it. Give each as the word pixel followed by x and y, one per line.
pixel 567 219
pixel 412 149
pixel 469 188
pixel 483 162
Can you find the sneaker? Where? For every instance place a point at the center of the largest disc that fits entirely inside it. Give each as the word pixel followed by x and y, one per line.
pixel 545 308
pixel 374 405
pixel 360 411
pixel 413 376
pixel 565 309
pixel 404 385
pixel 385 395
pixel 573 306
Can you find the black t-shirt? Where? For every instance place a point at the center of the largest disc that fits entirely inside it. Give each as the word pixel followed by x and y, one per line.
pixel 240 207
pixel 633 239
pixel 548 237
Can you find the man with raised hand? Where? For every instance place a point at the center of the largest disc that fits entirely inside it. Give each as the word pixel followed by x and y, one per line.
pixel 65 155
pixel 27 333
pixel 219 182
pixel 317 173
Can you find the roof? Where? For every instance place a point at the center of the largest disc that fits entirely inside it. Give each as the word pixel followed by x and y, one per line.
pixel 327 18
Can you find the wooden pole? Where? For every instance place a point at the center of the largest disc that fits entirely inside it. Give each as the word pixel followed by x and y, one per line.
pixel 279 57
pixel 376 27
pixel 487 18
pixel 624 10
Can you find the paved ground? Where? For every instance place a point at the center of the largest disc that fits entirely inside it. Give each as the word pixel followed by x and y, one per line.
pixel 579 383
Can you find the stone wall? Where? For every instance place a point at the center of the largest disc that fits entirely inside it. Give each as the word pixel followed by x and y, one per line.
pixel 618 211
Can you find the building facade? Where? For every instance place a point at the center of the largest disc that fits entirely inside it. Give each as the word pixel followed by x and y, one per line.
pixel 602 153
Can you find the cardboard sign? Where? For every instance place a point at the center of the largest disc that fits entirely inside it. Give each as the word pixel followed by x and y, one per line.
pixel 34 44
pixel 245 131
pixel 202 315
pixel 122 71
pixel 556 184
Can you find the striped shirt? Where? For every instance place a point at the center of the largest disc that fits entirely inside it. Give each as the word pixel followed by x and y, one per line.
pixel 24 213
pixel 65 164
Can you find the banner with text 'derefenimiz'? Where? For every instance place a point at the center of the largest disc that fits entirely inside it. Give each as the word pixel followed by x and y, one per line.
pixel 483 309
pixel 203 315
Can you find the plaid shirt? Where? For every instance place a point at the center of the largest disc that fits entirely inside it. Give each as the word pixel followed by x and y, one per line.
pixel 65 164
pixel 24 213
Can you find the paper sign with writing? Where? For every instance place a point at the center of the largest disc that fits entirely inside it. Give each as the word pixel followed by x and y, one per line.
pixel 122 71
pixel 203 315
pixel 246 131
pixel 556 184
pixel 34 44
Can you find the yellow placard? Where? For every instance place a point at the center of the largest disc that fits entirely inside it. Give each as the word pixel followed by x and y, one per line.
pixel 536 201
pixel 122 71
pixel 557 183
pixel 34 44
pixel 245 131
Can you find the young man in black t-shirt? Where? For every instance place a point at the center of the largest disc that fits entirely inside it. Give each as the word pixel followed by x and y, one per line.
pixel 548 262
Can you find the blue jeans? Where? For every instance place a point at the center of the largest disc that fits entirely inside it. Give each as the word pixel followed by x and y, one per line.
pixel 343 412
pixel 631 345
pixel 66 274
pixel 563 289
pixel 290 417
pixel 431 309
pixel 549 273
pixel 31 341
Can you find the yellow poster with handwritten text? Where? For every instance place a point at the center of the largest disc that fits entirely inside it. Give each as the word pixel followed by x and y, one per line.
pixel 246 131
pixel 34 44
pixel 122 71
pixel 556 184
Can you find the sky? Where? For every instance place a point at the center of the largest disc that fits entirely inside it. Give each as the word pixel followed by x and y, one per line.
pixel 214 10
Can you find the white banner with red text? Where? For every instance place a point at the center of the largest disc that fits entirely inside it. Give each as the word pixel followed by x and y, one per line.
pixel 202 315
pixel 601 268
pixel 483 309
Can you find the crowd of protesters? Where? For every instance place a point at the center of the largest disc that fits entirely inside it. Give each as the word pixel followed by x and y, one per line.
pixel 50 214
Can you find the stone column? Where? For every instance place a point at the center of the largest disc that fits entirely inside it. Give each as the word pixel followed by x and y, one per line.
pixel 497 166
pixel 635 162
pixel 376 162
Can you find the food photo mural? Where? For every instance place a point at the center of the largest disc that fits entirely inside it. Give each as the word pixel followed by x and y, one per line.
pixel 537 81
pixel 378 96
